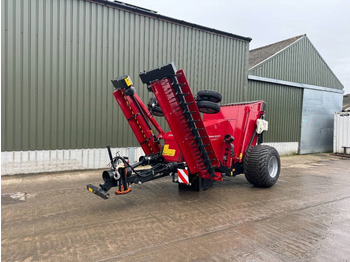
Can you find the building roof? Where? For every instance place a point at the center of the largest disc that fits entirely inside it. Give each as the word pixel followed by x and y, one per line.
pixel 258 55
pixel 154 14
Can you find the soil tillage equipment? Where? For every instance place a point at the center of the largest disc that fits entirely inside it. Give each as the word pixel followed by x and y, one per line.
pixel 200 148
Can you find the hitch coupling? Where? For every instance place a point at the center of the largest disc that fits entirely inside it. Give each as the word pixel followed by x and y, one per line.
pixel 98 191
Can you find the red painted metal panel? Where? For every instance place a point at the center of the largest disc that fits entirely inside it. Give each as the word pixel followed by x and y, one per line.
pixel 197 117
pixel 171 151
pixel 137 123
pixel 149 116
pixel 238 120
pixel 180 128
pixel 170 106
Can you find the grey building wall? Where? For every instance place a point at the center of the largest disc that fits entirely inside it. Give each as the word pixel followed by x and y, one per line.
pixel 318 120
pixel 58 58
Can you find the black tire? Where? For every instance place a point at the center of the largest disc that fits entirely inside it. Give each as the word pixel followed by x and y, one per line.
pixel 209 95
pixel 208 107
pixel 262 166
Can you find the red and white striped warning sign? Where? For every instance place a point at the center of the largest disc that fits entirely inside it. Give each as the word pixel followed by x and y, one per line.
pixel 183 176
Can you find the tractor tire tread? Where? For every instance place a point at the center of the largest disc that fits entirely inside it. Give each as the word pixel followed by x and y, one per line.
pixel 209 95
pixel 208 107
pixel 256 166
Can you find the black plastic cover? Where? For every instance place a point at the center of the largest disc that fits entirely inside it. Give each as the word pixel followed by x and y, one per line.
pixel 121 82
pixel 158 73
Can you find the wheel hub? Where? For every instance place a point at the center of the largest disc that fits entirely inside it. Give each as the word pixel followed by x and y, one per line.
pixel 273 166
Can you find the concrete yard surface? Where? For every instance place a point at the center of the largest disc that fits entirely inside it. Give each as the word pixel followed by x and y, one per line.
pixel 304 217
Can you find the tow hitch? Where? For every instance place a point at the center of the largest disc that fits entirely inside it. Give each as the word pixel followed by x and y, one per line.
pixel 122 174
pixel 98 191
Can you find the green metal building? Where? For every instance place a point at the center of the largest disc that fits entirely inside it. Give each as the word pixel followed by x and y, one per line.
pixel 301 91
pixel 58 57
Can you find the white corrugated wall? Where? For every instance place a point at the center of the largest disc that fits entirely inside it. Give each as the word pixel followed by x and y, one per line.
pixel 341 132
pixel 39 161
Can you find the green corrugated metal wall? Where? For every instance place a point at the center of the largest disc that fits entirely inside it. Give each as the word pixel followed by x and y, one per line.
pixel 58 58
pixel 300 63
pixel 284 106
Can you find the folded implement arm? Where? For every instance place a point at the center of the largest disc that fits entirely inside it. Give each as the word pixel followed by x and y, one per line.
pixel 139 118
pixel 181 112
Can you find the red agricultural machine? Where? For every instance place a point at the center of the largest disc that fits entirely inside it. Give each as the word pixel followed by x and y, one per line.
pixel 198 150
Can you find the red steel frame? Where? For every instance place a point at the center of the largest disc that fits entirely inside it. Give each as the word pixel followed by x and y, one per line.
pixel 196 148
pixel 170 105
pixel 144 135
pixel 238 120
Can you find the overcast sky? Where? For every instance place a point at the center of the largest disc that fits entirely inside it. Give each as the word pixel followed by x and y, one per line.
pixel 325 22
